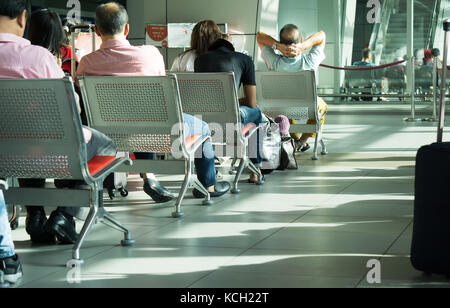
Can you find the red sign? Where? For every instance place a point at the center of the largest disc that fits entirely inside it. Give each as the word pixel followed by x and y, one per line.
pixel 157 35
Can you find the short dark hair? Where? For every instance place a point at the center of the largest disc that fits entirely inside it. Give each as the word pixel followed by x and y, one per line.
pixel 110 18
pixel 45 30
pixel 289 35
pixel 13 8
pixel 366 53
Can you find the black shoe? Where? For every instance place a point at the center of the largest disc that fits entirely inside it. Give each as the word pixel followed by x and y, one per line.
pixel 157 192
pixel 34 226
pixel 62 226
pixel 221 189
pixel 11 268
pixel 305 148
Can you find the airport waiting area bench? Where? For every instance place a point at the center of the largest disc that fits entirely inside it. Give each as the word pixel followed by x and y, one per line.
pixel 143 114
pixel 213 98
pixel 41 137
pixel 41 132
pixel 295 96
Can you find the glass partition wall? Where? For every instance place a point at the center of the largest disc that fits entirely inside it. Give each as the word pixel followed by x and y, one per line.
pixel 368 46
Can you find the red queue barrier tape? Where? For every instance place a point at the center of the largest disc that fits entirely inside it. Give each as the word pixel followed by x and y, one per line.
pixel 369 68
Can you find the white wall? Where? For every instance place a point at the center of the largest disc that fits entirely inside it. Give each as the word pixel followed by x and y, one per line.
pixel 243 18
pixel 310 17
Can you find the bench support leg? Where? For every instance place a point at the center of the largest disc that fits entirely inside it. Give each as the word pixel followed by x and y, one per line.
pixel 233 167
pixel 90 221
pixel 324 147
pixel 196 183
pixel 186 183
pixel 112 222
pixel 235 189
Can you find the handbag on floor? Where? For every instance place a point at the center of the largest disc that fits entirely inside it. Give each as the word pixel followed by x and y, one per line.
pixel 287 156
pixel 271 145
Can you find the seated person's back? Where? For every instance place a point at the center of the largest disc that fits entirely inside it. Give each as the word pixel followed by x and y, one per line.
pixel 366 59
pixel 222 57
pixel 120 58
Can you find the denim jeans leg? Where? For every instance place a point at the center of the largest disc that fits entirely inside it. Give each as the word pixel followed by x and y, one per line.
pixel 253 115
pixel 6 243
pixel 204 161
pixel 100 145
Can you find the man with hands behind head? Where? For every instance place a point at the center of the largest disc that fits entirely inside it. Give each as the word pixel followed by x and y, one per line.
pixel 294 59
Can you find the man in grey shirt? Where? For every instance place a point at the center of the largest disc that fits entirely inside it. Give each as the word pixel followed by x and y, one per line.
pixel 294 59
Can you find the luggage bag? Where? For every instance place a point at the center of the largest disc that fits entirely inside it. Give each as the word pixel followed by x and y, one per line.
pixel 430 249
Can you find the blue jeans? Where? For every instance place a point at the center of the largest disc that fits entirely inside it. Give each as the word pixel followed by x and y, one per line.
pixel 204 161
pixel 253 115
pixel 6 243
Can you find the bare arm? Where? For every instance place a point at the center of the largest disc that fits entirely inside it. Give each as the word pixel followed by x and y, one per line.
pixel 249 98
pixel 266 40
pixel 317 39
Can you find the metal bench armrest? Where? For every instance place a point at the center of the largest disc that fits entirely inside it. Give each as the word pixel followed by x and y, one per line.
pixel 252 131
pixel 199 143
pixel 110 168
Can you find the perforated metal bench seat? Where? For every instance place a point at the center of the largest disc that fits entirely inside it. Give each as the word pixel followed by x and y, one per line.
pixel 142 114
pixel 214 97
pixel 41 137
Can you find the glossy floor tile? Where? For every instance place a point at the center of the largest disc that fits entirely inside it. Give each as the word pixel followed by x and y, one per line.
pixel 323 225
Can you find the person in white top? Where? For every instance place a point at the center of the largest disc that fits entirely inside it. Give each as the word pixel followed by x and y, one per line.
pixel 203 35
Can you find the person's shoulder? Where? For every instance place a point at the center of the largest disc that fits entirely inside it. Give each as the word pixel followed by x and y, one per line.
pixel 243 56
pixel 36 51
pixel 45 57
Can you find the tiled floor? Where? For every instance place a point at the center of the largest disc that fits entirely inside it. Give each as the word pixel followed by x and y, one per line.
pixel 315 227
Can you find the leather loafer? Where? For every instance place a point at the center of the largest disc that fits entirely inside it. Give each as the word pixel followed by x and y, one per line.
pixel 34 226
pixel 62 226
pixel 221 188
pixel 157 192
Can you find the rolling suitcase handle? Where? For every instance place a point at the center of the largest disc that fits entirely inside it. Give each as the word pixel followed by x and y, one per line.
pixel 73 29
pixel 443 83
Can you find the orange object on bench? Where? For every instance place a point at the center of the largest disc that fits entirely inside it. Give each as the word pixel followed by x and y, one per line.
pixel 98 163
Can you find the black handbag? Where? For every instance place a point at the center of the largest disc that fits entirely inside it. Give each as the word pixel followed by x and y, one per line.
pixel 287 156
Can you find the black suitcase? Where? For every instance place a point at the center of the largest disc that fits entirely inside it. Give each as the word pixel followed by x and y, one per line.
pixel 430 250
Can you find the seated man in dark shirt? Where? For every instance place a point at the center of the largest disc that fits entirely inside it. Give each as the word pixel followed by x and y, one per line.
pixel 222 57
